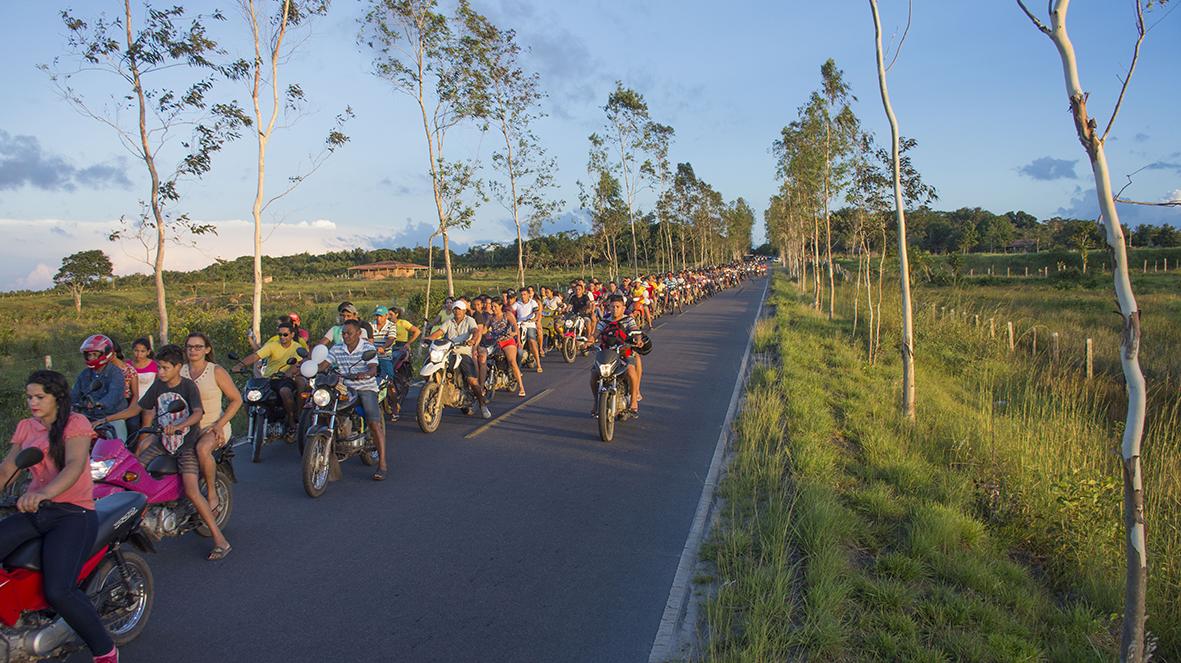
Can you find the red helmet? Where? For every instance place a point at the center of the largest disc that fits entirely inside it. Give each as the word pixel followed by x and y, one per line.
pixel 100 344
pixel 294 318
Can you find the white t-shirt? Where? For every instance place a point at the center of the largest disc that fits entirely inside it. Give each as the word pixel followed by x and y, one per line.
pixel 526 313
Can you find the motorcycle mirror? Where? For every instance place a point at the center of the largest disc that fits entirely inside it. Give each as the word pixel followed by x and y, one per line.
pixel 368 355
pixel 309 368
pixel 28 458
pixel 302 352
pixel 319 353
pixel 176 406
pixel 292 361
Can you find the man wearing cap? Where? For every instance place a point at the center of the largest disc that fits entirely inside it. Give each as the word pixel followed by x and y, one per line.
pixel 384 333
pixel 346 311
pixel 463 331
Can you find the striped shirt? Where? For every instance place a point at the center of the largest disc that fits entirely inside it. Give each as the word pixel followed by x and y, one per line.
pixel 351 362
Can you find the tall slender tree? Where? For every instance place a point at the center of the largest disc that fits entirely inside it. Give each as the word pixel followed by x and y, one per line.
pixel 416 51
pixel 511 102
pixel 272 48
pixel 136 58
pixel 1093 142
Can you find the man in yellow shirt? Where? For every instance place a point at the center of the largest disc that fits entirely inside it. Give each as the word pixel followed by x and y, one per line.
pixel 278 351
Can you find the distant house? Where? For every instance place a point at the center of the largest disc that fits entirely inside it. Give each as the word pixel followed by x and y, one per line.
pixel 1022 246
pixel 386 269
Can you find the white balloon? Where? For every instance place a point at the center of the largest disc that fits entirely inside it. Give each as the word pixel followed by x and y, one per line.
pixel 309 368
pixel 319 353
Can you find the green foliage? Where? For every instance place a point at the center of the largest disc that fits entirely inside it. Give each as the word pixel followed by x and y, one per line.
pixel 83 270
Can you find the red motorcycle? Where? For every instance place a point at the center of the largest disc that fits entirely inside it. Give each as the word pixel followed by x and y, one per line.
pixel 117 580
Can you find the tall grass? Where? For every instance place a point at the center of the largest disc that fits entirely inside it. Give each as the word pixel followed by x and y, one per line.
pixel 988 530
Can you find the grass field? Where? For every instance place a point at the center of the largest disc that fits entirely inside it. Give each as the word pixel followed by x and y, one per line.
pixel 35 325
pixel 990 530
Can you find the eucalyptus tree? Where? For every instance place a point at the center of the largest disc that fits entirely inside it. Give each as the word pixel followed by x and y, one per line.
pixel 739 222
pixel 608 213
pixel 799 154
pixel 1093 141
pixel 146 116
pixel 511 101
pixel 416 51
pixel 659 169
pixel 272 49
pixel 840 136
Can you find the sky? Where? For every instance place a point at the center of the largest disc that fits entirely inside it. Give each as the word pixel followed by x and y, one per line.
pixel 976 85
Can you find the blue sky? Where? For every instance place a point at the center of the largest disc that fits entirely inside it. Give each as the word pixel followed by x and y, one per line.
pixel 976 84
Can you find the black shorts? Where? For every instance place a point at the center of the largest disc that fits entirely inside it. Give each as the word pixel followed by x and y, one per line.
pixel 286 381
pixel 186 456
pixel 467 367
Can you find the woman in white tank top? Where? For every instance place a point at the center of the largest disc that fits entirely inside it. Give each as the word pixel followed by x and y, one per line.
pixel 213 383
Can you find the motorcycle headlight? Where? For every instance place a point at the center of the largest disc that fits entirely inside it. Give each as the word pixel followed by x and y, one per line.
pixel 99 469
pixel 436 356
pixel 254 395
pixel 321 397
pixel 569 323
pixel 606 369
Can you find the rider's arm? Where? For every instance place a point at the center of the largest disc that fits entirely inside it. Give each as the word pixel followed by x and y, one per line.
pixel 114 394
pixel 415 332
pixel 132 410
pixel 248 360
pixel 233 397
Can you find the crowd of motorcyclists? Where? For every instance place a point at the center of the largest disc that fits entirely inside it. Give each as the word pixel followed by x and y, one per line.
pixel 159 424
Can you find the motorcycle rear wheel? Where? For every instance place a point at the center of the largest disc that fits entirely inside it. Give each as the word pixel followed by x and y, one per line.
pixel 225 497
pixel 316 465
pixel 259 438
pixel 430 409
pixel 107 584
pixel 607 413
pixel 568 350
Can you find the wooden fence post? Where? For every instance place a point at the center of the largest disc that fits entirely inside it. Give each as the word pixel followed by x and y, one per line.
pixel 972 272
pixel 1011 345
pixel 976 320
pixel 1033 346
pixel 1054 347
pixel 932 310
pixel 1090 360
pixel 49 362
pixel 1008 271
pixel 1027 270
pixel 1145 270
pixel 992 327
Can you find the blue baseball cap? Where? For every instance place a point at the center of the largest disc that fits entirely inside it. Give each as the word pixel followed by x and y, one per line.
pixel 381 310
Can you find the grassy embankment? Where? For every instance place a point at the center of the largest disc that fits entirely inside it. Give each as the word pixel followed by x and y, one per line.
pixel 990 530
pixel 35 325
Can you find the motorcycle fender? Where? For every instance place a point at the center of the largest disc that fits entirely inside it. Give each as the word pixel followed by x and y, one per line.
pixel 229 470
pixel 430 369
pixel 319 429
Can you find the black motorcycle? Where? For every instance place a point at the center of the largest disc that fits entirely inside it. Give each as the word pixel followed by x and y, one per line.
pixel 336 431
pixel 612 389
pixel 266 417
pixel 498 374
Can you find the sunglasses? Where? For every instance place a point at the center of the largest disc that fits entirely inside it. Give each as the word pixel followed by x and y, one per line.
pixel 284 335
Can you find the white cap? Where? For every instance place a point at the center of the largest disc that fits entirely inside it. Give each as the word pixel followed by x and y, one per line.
pixel 459 304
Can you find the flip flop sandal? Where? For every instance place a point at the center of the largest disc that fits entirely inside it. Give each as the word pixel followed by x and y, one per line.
pixel 521 393
pixel 219 553
pixel 379 475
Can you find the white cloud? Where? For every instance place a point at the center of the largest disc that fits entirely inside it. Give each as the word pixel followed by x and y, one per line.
pixel 1173 196
pixel 33 246
pixel 39 279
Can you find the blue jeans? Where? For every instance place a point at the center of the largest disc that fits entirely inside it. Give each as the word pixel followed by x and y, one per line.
pixel 385 367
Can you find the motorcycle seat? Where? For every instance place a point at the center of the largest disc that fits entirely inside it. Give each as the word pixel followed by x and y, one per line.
pixel 109 511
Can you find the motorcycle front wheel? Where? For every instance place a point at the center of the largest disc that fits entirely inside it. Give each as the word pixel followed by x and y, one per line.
pixel 124 610
pixel 606 409
pixel 316 464
pixel 301 433
pixel 225 498
pixel 259 438
pixel 569 350
pixel 430 406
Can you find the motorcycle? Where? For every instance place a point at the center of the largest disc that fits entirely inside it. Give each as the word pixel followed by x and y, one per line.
pixel 444 386
pixel 393 392
pixel 265 415
pixel 115 470
pixel 612 385
pixel 573 336
pixel 498 375
pixel 117 581
pixel 337 429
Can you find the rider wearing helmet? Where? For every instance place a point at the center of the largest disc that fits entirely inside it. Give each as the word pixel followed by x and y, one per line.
pixel 99 389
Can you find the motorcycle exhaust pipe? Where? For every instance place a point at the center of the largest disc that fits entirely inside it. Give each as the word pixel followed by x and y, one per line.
pixel 43 642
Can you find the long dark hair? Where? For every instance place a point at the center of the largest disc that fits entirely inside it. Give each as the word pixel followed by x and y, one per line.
pixel 145 343
pixel 55 385
pixel 204 339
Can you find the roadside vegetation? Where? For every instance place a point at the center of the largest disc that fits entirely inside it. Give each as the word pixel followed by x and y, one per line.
pixel 989 529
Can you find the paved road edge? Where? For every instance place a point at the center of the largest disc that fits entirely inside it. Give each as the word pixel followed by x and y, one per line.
pixel 669 640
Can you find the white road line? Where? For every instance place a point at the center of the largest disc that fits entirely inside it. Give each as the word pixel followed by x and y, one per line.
pixel 666 645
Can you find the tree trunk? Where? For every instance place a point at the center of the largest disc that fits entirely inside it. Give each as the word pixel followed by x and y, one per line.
pixel 150 161
pixel 77 292
pixel 908 386
pixel 1132 636
pixel 832 292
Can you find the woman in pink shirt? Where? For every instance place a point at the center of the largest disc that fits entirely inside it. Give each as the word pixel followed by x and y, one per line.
pixel 58 505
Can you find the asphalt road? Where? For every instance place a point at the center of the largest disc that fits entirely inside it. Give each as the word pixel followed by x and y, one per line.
pixel 531 541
